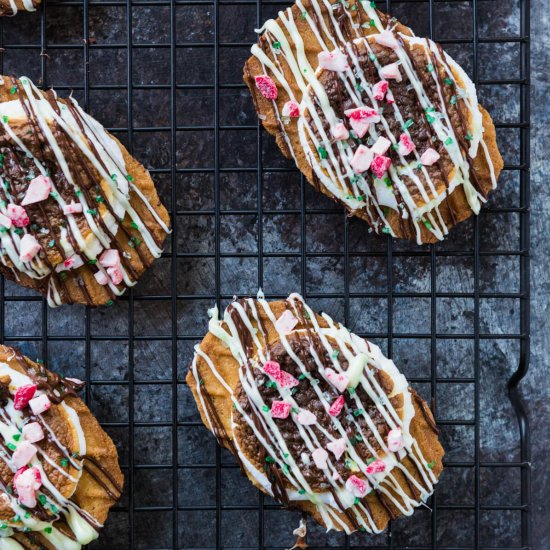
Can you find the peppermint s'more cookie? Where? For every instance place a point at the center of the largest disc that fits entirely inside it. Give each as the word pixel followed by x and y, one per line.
pixel 383 122
pixel 80 219
pixel 59 472
pixel 316 416
pixel 11 7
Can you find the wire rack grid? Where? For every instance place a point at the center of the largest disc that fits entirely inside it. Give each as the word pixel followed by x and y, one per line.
pixel 165 77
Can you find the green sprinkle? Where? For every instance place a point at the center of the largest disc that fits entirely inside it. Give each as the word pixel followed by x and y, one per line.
pixel 395 147
pixel 372 23
pixel 408 124
pixel 293 391
pixel 358 412
pixel 448 81
pixel 11 446
pixel 295 410
pixel 323 153
pixel 265 408
pixel 9 489
pixel 4 526
pixel 430 119
pixel 54 508
pixel 387 181
pixel 109 303
pixel 427 224
pixel 134 225
pixel 99 198
pixel 65 461
pixel 13 89
pixel 16 518
pixel 304 14
pixel 63 275
pixel 357 500
pixel 269 459
pixel 286 455
pixel 448 141
pixel 92 211
pixel 51 243
pixel 42 499
pixel 430 465
pixel 113 177
pixel 47 530
pixel 3 230
pixel 16 437
pixel 372 57
pixel 54 195
pixel 235 406
pixel 129 178
pixel 301 376
pixel 453 100
pixel 362 529
pixel 386 230
pixel 370 460
pixel 93 262
pixel 469 137
pixel 271 384
pixel 335 353
pixel 136 241
pixel 358 87
pixel 359 437
pixel 5 118
pixel 78 192
pixel 18 231
pixel 430 68
pixel 285 469
pixel 276 45
pixel 373 4
pixel 351 391
pixel 302 491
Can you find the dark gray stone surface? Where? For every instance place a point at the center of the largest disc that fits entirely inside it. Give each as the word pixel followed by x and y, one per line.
pixel 132 341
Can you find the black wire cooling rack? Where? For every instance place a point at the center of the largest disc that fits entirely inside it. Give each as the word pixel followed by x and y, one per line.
pixel 165 77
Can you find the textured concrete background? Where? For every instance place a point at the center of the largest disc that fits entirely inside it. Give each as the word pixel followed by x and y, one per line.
pixel 145 344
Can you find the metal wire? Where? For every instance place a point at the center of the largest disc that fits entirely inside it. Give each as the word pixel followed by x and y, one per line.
pixel 132 517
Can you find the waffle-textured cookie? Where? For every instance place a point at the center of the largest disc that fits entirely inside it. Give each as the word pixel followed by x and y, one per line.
pixel 59 472
pixel 385 123
pixel 80 219
pixel 316 416
pixel 11 7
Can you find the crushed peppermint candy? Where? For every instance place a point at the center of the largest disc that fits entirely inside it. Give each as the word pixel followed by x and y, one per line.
pixel 395 440
pixel 39 189
pixel 429 157
pixel 266 86
pixel 391 72
pixel 29 248
pixel 362 159
pixel 23 395
pixel 33 432
pixel 387 38
pixel 333 61
pixel 286 322
pixel 356 486
pixel 336 408
pixel 379 90
pixel 291 109
pixel 306 418
pixel 340 132
pixel 280 409
pixel 376 467
pixel 18 215
pixel 380 165
pixel 320 457
pixel 40 404
pixel 338 379
pixel 337 447
pixel 406 146
pixel 381 145
pixel 361 118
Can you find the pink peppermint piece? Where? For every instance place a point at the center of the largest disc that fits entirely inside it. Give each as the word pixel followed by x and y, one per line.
pixel 395 440
pixel 337 406
pixel 391 72
pixel 333 61
pixel 22 396
pixel 380 165
pixel 389 98
pixel 23 454
pixel 379 90
pixel 290 108
pixel 68 263
pixel 5 221
pixel 272 368
pixel 38 190
pixel 280 409
pixel 337 447
pixel 286 380
pixel 361 160
pixel 26 482
pixel 361 118
pixel 406 146
pixel 320 457
pixel 72 208
pixel 109 258
pixel 18 215
pixel 429 156
pixel 306 418
pixel 101 278
pixel 286 322
pixel 29 248
pixel 115 273
pixel 40 404
pixel 381 146
pixel 339 380
pixel 33 432
pixel 387 38
pixel 376 467
pixel 339 131
pixel 266 86
pixel 356 486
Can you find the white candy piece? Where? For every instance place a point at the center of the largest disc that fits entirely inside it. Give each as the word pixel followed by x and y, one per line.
pixel 391 72
pixel 429 156
pixel 337 447
pixel 38 190
pixel 381 146
pixel 362 159
pixel 23 454
pixel 339 131
pixel 33 432
pixel 40 404
pixel 338 380
pixel 29 247
pixel 286 322
pixel 72 208
pixel 109 258
pixel 306 418
pixel 333 61
pixel 387 38
pixel 101 278
pixel 395 440
pixel 320 457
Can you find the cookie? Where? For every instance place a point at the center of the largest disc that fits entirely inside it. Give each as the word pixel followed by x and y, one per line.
pixel 381 121
pixel 11 7
pixel 80 219
pixel 316 416
pixel 59 470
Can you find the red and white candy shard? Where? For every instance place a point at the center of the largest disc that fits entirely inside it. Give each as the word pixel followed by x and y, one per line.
pixel 379 90
pixel 339 131
pixel 380 165
pixel 23 454
pixel 272 367
pixel 306 418
pixel 26 482
pixel 429 156
pixel 23 395
pixel 109 258
pixel 115 273
pixel 266 86
pixel 320 457
pixel 72 208
pixel 291 109
pixel 286 380
pixel 30 247
pixel 406 146
pixel 362 159
pixel 333 61
pixel 387 38
pixel 376 467
pixel 337 405
pixel 280 409
pixel 391 72
pixel 338 379
pixel 356 486
pixel 381 145
pixel 101 278
pixel 286 322
pixel 361 118
pixel 395 440
pixel 40 404
pixel 18 215
pixel 39 190
pixel 337 447
pixel 33 432
pixel 389 98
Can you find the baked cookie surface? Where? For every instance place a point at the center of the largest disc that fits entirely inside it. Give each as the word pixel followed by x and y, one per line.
pixel 11 7
pixel 59 470
pixel 80 219
pixel 316 416
pixel 383 122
